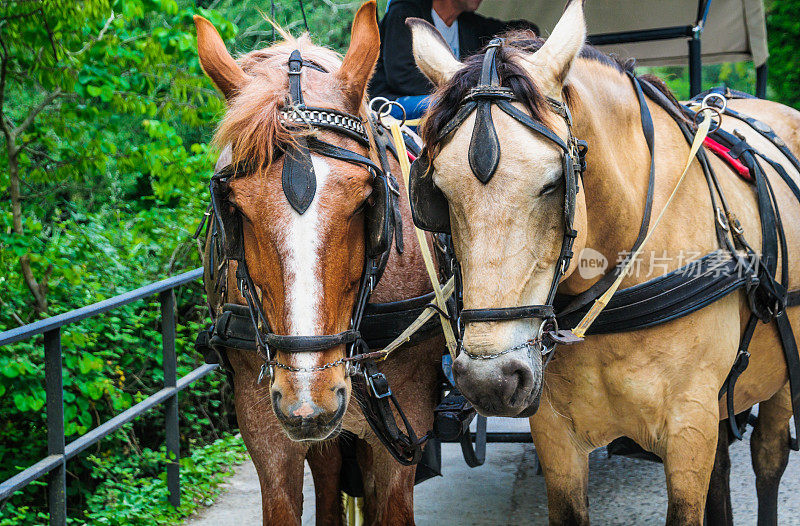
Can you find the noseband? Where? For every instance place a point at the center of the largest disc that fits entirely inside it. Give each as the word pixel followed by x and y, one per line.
pixel 430 208
pixel 299 187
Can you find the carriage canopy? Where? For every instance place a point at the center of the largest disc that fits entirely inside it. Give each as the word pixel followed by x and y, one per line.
pixel 655 31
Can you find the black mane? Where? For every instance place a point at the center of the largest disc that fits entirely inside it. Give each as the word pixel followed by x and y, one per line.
pixel 447 99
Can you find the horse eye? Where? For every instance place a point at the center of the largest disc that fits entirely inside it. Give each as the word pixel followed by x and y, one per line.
pixel 361 207
pixel 550 188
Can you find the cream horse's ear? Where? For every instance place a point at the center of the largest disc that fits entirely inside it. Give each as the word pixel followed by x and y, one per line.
pixel 551 64
pixel 216 61
pixel 431 53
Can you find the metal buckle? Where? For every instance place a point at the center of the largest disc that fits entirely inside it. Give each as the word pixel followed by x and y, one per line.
pixel 712 110
pixel 394 185
pixel 371 382
pixel 735 225
pixel 385 109
pixel 708 98
pixel 267 368
pixel 546 326
pixel 722 220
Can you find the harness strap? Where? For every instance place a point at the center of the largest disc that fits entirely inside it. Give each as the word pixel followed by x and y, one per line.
pixel 507 313
pixel 484 145
pixel 294 344
pixel 602 301
pixel 739 365
pixel 670 296
pixel 603 284
pixel 793 366
pixel 427 257
pixel 298 177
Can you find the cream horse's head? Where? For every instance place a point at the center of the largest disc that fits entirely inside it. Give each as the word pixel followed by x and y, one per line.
pixel 508 232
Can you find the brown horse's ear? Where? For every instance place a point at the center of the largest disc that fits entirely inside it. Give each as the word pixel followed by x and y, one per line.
pixel 551 64
pixel 365 46
pixel 216 61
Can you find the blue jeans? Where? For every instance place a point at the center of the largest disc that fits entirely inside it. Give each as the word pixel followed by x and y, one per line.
pixel 415 106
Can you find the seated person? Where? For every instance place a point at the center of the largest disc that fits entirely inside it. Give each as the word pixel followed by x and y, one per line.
pixel 396 74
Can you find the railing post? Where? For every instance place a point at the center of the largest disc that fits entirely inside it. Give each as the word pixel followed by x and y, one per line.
pixel 171 405
pixel 695 63
pixel 57 479
pixel 761 81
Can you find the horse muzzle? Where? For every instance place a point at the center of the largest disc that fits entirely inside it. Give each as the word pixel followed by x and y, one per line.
pixel 501 384
pixel 304 420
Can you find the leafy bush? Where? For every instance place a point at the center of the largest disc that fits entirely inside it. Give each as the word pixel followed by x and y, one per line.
pixel 783 31
pixel 106 165
pixel 133 491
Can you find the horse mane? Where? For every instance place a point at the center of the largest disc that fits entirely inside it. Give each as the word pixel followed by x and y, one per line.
pixel 447 99
pixel 252 124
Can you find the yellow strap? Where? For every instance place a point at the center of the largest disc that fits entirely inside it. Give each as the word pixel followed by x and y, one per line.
pixel 424 316
pixel 405 169
pixel 353 510
pixel 602 301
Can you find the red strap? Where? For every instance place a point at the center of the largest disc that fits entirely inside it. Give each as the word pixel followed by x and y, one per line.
pixel 724 154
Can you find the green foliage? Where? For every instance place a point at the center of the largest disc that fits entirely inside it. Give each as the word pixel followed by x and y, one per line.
pixel 133 491
pixel 737 75
pixel 783 31
pixel 107 118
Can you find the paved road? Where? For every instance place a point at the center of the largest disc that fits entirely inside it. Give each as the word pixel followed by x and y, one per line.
pixel 506 490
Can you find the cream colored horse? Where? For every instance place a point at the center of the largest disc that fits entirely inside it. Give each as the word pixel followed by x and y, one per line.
pixel 659 385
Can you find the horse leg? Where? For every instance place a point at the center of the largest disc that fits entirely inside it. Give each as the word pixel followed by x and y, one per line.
pixel 388 486
pixel 278 460
pixel 325 461
pixel 769 449
pixel 566 472
pixel 718 502
pixel 688 454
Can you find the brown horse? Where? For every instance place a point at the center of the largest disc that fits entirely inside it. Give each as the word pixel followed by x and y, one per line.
pixel 307 268
pixel 658 385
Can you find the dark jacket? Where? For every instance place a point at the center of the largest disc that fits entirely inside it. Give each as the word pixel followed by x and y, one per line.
pixel 396 74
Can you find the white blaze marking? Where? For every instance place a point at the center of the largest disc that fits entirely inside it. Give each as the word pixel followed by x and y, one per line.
pixel 304 275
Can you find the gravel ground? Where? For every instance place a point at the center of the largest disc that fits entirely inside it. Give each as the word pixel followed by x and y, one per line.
pixel 506 490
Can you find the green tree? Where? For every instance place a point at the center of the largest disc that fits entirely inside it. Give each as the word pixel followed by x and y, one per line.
pixel 783 31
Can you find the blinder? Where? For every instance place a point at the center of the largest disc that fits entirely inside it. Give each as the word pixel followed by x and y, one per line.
pixel 429 208
pixel 376 218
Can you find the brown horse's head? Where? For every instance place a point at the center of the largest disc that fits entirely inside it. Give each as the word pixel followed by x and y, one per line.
pixel 307 266
pixel 508 232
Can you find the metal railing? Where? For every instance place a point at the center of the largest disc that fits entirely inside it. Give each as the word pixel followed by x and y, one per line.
pixel 58 453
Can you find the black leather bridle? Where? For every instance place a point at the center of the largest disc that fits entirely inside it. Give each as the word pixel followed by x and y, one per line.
pixel 299 187
pixel 484 157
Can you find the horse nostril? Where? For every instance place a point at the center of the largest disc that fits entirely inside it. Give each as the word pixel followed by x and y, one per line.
pixel 516 384
pixel 459 367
